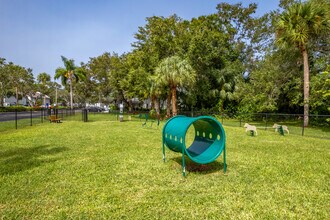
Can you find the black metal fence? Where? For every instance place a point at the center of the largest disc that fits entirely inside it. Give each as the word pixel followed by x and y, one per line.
pixel 88 116
pixel 20 119
pixel 319 125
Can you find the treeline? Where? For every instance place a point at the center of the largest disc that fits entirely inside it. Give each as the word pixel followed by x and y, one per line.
pixel 229 61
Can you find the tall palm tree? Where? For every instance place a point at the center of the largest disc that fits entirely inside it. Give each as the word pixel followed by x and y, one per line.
pixel 298 26
pixel 176 73
pixel 68 74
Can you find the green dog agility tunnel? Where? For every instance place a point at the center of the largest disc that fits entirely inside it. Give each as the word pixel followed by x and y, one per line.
pixel 208 144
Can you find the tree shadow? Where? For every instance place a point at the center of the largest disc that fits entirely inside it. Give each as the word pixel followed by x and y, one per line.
pixel 20 159
pixel 193 167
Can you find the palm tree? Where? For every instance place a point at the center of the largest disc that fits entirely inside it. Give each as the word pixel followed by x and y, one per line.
pixel 176 73
pixel 68 74
pixel 298 26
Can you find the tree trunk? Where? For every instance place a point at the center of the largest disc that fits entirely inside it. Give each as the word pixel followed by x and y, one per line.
pixel 123 99
pixel 130 105
pixel 168 105
pixel 157 106
pixel 71 98
pixel 174 108
pixel 306 87
pixel 153 98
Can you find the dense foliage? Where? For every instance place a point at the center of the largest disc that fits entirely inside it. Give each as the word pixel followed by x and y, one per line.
pixel 239 63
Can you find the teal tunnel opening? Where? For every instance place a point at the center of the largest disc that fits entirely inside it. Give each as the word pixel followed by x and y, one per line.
pixel 208 143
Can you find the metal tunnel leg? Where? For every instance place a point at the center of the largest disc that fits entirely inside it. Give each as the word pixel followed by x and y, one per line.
pixel 224 160
pixel 164 159
pixel 183 164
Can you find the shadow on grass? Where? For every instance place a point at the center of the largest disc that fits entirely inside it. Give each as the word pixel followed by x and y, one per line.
pixel 193 167
pixel 20 159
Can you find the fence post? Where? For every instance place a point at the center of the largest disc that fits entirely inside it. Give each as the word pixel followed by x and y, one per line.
pixel 16 118
pixel 42 116
pixel 85 115
pixel 303 127
pixel 266 121
pixel 30 117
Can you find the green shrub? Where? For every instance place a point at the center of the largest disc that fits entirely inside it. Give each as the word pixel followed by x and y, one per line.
pixel 13 108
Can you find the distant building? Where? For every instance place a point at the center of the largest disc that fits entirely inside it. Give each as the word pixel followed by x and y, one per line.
pixel 11 101
pixel 27 101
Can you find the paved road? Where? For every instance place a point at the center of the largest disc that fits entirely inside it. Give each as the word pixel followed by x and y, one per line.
pixel 10 116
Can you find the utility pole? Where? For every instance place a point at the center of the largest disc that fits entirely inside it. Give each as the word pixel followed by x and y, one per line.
pixel 1 95
pixel 16 96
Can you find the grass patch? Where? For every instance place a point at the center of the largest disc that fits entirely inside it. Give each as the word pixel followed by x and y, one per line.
pixel 109 169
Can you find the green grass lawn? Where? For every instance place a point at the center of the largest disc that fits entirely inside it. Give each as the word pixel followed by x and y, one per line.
pixel 105 169
pixel 21 123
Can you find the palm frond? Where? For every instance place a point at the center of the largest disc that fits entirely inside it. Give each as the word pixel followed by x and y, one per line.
pixel 61 73
pixel 301 22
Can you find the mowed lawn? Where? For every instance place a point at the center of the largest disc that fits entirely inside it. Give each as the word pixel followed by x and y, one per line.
pixel 114 170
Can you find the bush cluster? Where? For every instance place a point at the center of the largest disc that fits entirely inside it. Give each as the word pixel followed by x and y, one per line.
pixel 13 108
pixel 21 108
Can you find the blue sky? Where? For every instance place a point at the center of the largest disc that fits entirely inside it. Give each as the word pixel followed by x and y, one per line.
pixel 35 33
